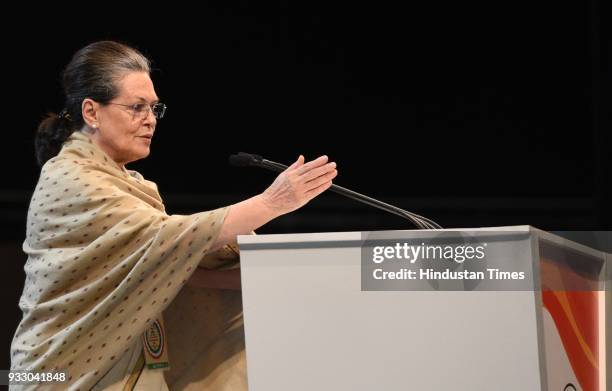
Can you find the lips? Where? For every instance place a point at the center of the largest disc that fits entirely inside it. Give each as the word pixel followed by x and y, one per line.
pixel 147 136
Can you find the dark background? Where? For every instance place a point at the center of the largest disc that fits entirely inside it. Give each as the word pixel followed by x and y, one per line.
pixel 473 115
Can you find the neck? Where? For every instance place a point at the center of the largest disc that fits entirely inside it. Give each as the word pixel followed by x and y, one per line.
pixel 93 136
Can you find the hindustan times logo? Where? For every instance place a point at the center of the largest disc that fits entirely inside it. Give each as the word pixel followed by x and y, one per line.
pixel 411 253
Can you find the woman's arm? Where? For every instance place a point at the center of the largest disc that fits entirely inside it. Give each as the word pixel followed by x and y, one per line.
pixel 292 189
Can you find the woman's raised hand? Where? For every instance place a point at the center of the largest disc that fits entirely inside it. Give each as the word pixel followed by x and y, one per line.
pixel 299 183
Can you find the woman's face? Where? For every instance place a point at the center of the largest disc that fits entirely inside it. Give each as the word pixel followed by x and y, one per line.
pixel 121 132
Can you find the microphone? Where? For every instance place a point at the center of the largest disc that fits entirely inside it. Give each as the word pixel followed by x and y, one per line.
pixel 242 159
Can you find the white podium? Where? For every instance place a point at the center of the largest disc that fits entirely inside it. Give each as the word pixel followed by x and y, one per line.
pixel 310 326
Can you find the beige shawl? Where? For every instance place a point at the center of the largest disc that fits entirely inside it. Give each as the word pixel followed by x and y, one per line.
pixel 104 260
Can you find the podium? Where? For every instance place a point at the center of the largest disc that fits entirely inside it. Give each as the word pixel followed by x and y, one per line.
pixel 319 317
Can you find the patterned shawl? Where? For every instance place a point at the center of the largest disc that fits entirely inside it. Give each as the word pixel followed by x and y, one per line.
pixel 104 260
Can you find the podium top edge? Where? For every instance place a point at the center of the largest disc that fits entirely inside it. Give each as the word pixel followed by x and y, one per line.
pixel 358 235
pixel 357 238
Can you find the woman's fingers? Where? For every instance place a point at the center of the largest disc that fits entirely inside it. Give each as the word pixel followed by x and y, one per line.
pixel 318 171
pixel 315 183
pixel 321 160
pixel 297 163
pixel 318 190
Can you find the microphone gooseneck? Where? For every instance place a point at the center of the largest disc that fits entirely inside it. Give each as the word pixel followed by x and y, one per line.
pixel 242 159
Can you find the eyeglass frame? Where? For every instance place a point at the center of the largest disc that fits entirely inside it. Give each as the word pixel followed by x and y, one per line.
pixel 150 110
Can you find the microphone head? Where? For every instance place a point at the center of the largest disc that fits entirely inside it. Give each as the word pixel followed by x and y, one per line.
pixel 242 159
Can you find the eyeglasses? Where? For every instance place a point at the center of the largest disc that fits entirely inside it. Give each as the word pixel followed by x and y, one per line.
pixel 141 110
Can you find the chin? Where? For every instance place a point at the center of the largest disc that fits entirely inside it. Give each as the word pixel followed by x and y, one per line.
pixel 141 154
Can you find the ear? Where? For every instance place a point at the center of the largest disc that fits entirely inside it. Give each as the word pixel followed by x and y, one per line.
pixel 90 111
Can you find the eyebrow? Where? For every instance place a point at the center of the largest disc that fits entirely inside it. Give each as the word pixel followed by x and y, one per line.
pixel 140 98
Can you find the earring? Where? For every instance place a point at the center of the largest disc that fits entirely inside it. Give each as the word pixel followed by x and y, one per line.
pixel 95 126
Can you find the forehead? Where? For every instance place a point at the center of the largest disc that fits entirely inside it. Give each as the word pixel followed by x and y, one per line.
pixel 137 86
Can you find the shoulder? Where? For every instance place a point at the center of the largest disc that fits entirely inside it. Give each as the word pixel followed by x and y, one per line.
pixel 75 176
pixel 74 171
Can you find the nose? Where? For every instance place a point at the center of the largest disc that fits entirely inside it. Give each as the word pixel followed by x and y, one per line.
pixel 150 118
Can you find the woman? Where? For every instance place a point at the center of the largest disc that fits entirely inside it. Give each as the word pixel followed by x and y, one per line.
pixel 105 260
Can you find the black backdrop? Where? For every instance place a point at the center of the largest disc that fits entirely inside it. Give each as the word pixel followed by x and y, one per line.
pixel 474 115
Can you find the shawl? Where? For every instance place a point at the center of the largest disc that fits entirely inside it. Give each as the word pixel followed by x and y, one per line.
pixel 104 261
